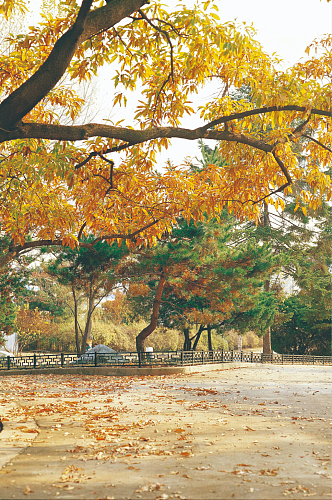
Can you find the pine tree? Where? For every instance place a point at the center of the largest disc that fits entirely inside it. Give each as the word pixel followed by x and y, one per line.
pixel 197 276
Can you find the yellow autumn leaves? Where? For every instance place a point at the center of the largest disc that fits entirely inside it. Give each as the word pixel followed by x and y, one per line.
pixel 169 57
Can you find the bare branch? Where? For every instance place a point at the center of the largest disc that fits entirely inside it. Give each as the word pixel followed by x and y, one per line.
pixel 97 153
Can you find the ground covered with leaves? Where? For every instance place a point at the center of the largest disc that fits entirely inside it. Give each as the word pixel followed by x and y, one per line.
pixel 251 432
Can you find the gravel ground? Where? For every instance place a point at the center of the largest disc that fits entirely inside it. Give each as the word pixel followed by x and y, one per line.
pixel 255 432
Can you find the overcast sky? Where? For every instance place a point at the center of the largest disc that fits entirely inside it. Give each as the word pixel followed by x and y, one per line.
pixel 283 26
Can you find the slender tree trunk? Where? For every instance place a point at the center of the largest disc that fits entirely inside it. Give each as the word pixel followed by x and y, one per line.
pixel 88 324
pixel 77 329
pixel 187 340
pixel 209 331
pixel 198 336
pixel 89 335
pixel 267 349
pixel 140 339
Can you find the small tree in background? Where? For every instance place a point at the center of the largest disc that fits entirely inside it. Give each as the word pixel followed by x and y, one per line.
pixel 91 274
pixel 36 329
pixel 116 310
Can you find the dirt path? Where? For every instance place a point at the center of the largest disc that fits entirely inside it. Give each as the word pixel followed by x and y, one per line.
pixel 247 433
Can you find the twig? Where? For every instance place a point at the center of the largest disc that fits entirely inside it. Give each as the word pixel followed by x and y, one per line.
pixel 115 149
pixel 317 142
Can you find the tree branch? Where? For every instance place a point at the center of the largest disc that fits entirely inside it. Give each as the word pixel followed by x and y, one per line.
pixel 265 110
pixel 132 136
pixel 97 153
pixel 107 16
pixel 25 98
pixel 15 250
pixel 171 74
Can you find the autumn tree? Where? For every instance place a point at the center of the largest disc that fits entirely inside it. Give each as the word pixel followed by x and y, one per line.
pixel 58 180
pixel 197 276
pixel 115 310
pixel 36 329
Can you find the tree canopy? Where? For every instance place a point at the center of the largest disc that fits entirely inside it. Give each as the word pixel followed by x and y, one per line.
pixel 61 178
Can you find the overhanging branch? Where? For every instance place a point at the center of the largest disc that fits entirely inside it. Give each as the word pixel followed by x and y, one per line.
pixel 15 250
pixel 132 136
pixel 317 142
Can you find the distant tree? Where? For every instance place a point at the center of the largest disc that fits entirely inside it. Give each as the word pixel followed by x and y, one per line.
pixel 35 328
pixel 115 310
pixel 303 323
pixel 91 274
pixel 46 294
pixel 14 278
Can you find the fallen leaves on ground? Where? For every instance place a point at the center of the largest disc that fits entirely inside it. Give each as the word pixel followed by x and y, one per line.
pixel 269 472
pixel 296 489
pixel 112 433
pixel 150 487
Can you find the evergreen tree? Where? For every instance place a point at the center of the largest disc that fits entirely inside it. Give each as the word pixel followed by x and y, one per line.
pixel 14 279
pixel 199 277
pixel 303 322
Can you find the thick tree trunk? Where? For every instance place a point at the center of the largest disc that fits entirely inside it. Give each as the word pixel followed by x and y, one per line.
pixel 187 340
pixel 140 339
pixel 209 331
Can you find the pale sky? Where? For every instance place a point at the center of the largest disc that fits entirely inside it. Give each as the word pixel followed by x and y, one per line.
pixel 283 26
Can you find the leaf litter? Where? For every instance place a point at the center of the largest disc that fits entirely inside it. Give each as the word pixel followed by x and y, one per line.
pixel 115 437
